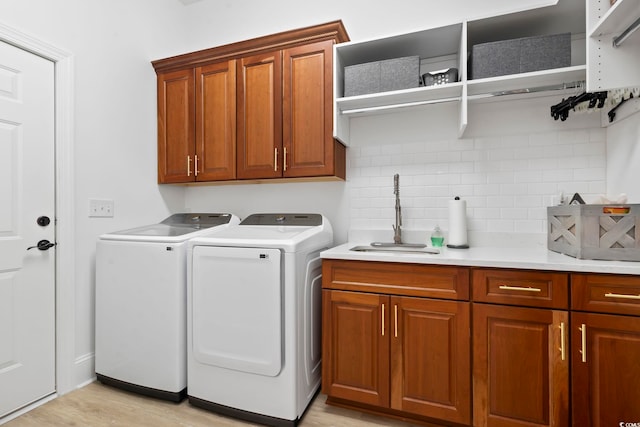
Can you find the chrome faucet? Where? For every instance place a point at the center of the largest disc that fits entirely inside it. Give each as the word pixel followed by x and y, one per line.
pixel 397 231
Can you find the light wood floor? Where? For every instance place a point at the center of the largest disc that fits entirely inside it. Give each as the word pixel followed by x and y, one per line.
pixel 97 405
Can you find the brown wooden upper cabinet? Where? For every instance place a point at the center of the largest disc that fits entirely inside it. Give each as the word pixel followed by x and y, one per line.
pixel 256 109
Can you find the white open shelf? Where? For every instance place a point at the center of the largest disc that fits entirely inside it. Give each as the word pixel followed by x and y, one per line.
pixel 449 46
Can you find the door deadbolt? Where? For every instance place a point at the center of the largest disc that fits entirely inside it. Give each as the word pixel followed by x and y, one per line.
pixel 43 221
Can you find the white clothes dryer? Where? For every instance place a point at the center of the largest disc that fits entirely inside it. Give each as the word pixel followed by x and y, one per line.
pixel 254 317
pixel 141 304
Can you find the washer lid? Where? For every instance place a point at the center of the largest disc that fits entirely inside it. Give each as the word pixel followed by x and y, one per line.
pixel 177 227
pixel 290 232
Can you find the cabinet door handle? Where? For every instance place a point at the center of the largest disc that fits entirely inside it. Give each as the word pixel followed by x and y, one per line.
pixel 188 165
pixel 612 295
pixel 395 320
pixel 195 169
pixel 562 338
pixel 284 160
pixel 275 159
pixel 519 288
pixel 583 349
pixel 382 319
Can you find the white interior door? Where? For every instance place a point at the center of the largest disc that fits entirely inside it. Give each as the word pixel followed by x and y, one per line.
pixel 27 277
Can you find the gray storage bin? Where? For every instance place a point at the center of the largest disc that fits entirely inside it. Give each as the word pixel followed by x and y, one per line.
pixel 521 55
pixel 382 76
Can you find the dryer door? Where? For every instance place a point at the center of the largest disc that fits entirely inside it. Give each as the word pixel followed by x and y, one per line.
pixel 237 308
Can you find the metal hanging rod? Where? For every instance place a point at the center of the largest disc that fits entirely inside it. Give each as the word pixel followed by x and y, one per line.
pixel 617 41
pixel 581 84
pixel 401 105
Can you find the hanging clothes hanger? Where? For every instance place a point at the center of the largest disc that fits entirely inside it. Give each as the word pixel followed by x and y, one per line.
pixel 612 112
pixel 561 110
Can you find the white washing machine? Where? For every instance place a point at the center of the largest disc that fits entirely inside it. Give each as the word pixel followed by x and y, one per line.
pixel 254 317
pixel 141 304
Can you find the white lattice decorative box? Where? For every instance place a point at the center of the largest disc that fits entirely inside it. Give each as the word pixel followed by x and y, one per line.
pixel 607 232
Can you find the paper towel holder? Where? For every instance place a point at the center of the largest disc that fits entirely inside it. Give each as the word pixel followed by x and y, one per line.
pixel 464 246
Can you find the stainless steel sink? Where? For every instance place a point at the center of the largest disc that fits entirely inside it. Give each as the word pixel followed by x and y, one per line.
pixel 397 245
pixel 407 248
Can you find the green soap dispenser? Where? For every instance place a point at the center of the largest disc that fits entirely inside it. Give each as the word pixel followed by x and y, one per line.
pixel 437 239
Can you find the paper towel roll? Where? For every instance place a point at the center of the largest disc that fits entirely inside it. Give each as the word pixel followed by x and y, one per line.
pixel 457 224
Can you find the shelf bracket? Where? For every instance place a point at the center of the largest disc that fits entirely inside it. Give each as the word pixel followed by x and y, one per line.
pixel 617 41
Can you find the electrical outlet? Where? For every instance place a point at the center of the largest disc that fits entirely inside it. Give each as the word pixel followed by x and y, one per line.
pixel 100 208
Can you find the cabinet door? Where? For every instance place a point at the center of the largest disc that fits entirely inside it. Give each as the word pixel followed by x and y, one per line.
pixel 260 116
pixel 176 126
pixel 355 363
pixel 307 110
pixel 431 360
pixel 216 122
pixel 605 370
pixel 520 367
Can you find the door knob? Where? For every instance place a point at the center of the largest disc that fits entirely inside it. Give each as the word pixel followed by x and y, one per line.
pixel 43 221
pixel 43 245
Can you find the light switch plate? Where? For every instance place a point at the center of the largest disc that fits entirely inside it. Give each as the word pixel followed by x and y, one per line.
pixel 100 208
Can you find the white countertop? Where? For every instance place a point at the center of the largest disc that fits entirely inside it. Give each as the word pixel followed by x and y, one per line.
pixel 537 258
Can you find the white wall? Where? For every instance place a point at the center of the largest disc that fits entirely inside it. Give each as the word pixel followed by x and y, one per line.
pixel 114 41
pixel 623 154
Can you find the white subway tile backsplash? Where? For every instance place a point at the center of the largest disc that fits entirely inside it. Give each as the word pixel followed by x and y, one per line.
pixel 524 175
pixel 514 141
pixel 528 201
pixel 540 139
pixel 547 163
pixel 589 174
pixel 486 190
pixel 501 201
pixel 598 187
pixel 514 213
pixel 507 181
pixel 500 225
pixel 597 134
pixel 592 149
pixel 529 226
pixel 538 213
pixel 508 190
pixel 498 177
pixel 557 175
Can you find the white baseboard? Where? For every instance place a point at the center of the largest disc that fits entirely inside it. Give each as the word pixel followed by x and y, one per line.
pixel 25 409
pixel 84 370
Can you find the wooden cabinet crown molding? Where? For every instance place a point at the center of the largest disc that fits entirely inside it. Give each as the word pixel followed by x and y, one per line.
pixel 328 31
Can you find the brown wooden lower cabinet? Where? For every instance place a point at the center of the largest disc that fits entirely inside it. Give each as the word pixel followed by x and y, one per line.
pixel 430 358
pixel 402 353
pixel 605 370
pixel 520 366
pixel 355 348
pixel 546 348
